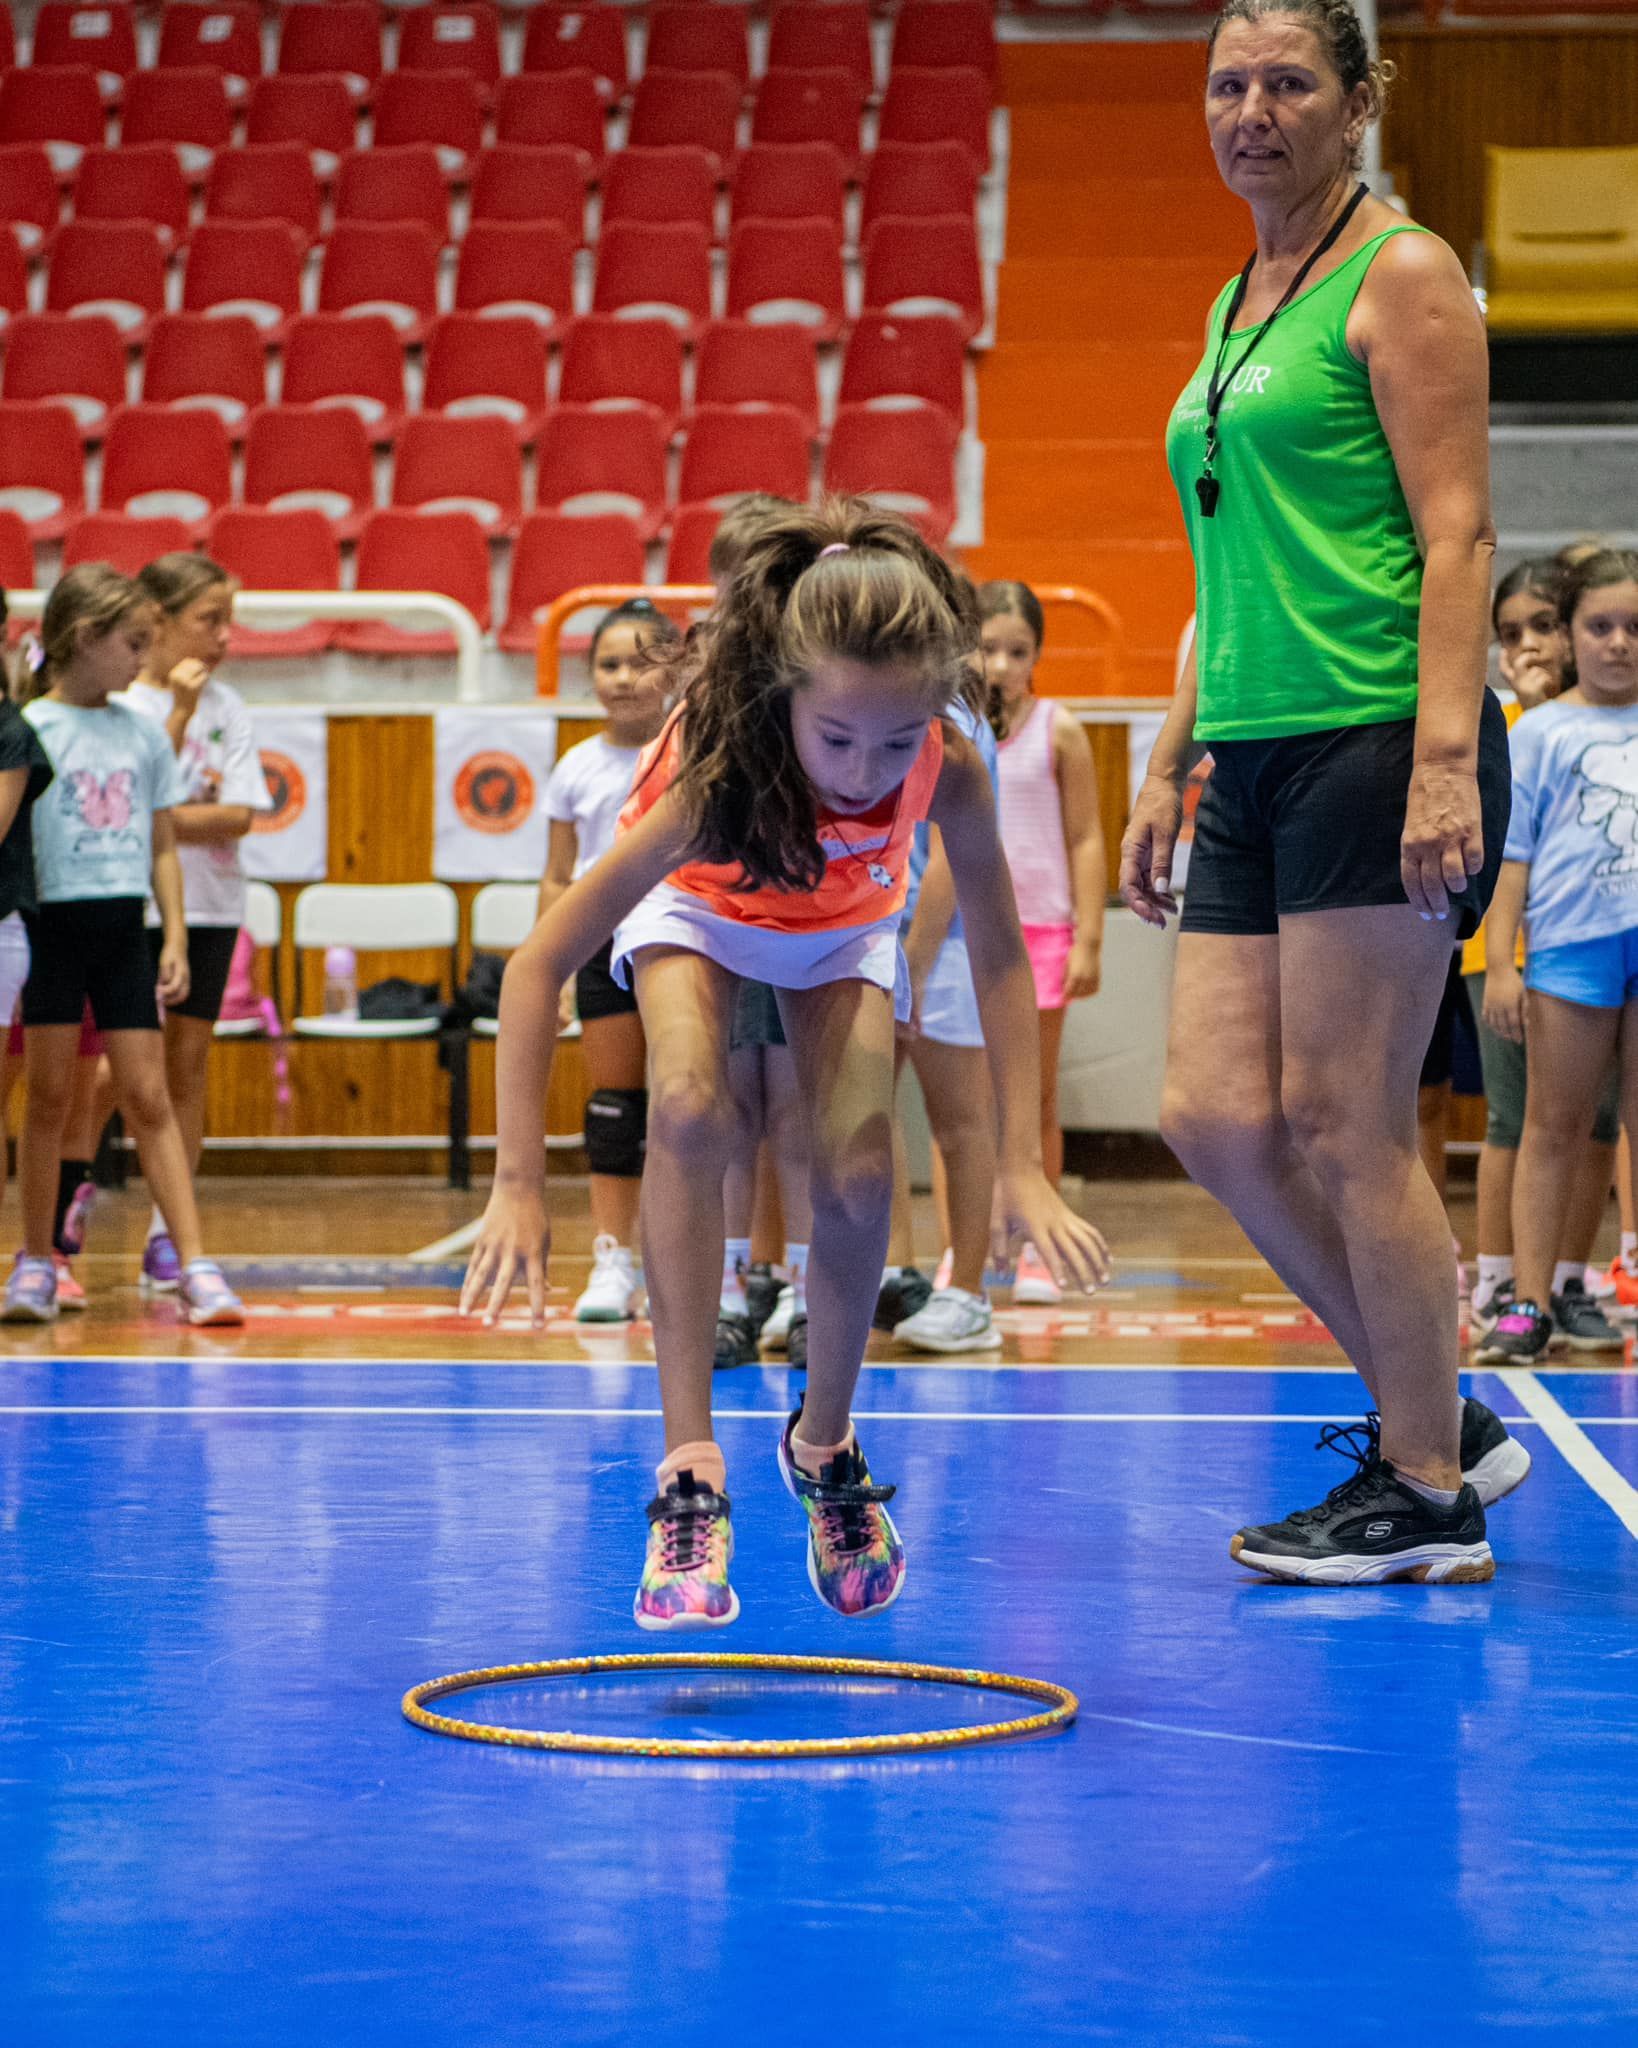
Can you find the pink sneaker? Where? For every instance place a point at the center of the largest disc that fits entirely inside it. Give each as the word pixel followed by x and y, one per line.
pixel 206 1297
pixel 70 1294
pixel 1033 1285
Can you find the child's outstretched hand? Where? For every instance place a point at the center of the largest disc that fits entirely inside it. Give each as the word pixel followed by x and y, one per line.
pixel 1074 1250
pixel 514 1233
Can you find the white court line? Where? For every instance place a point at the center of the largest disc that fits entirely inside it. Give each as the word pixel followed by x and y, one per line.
pixel 1227 1735
pixel 775 1363
pixel 441 1247
pixel 1564 1432
pixel 649 1414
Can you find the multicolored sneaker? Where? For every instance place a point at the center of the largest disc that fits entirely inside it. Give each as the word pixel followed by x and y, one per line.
pixel 1518 1337
pixel 70 1294
pixel 31 1292
pixel 72 1235
pixel 207 1299
pixel 685 1574
pixel 855 1558
pixel 1579 1324
pixel 161 1267
pixel 1481 1320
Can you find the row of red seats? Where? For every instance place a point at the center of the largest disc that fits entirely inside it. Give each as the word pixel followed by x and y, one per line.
pixel 474 365
pixel 511 181
pixel 179 461
pixel 778 272
pixel 190 109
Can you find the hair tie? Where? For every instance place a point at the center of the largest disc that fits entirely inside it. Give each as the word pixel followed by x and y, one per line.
pixel 837 547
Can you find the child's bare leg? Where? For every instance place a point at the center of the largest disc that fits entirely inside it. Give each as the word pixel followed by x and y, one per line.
pixel 1052 1137
pixel 137 1059
pixel 49 1062
pixel 1569 1046
pixel 955 1080
pixel 786 1144
pixel 1589 1202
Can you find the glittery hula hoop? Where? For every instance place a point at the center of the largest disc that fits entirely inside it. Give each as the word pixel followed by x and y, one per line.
pixel 1061 1707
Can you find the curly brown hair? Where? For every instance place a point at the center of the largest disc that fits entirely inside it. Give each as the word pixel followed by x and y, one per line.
pixel 843 582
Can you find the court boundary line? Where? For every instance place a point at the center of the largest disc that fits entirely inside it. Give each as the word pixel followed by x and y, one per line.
pixel 1565 1433
pixel 422 1410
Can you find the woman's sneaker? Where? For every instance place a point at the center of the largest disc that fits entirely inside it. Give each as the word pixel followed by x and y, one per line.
pixel 855 1558
pixel 207 1300
pixel 161 1268
pixel 1579 1324
pixel 611 1287
pixel 1493 1462
pixel 70 1294
pixel 1519 1336
pixel 1033 1285
pixel 1371 1529
pixel 31 1292
pixel 685 1574
pixel 953 1320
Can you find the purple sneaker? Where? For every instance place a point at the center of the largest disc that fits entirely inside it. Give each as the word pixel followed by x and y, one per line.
pixel 206 1296
pixel 161 1268
pixel 31 1292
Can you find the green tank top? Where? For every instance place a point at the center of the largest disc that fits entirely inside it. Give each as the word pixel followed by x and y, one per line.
pixel 1308 582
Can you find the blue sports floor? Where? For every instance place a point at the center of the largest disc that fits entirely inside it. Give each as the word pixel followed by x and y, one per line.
pixel 1285 1817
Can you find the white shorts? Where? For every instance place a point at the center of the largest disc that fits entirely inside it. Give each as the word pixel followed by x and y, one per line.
pixel 949 1002
pixel 13 966
pixel 860 952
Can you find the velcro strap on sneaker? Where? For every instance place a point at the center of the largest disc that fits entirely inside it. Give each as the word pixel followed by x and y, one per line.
pixel 665 1507
pixel 829 1493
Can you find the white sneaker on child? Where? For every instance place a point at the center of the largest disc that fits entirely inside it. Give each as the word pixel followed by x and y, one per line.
pixel 776 1331
pixel 953 1320
pixel 611 1287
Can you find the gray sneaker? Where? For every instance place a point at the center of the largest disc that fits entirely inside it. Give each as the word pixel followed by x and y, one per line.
pixel 950 1320
pixel 1579 1324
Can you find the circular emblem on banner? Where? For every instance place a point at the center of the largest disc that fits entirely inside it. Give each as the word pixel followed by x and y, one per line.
pixel 288 788
pixel 494 792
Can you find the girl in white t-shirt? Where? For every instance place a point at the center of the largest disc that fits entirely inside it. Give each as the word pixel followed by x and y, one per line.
pixel 223 788
pixel 584 796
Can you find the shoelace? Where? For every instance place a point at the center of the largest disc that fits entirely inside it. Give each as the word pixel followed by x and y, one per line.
pixel 685 1546
pixel 846 1526
pixel 1361 1441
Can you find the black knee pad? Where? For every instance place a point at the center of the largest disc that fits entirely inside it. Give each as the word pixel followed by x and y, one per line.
pixel 617 1131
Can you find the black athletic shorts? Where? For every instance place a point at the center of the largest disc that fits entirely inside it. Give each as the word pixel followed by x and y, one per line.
pixel 95 951
pixel 210 955
pixel 1313 822
pixel 756 1017
pixel 597 993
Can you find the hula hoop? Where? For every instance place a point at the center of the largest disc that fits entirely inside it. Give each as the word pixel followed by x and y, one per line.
pixel 1061 1707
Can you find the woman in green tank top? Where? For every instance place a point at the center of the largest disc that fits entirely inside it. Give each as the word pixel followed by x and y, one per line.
pixel 1331 456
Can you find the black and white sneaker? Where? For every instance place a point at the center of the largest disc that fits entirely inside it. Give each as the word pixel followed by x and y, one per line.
pixel 1371 1529
pixel 736 1343
pixel 796 1343
pixel 761 1295
pixel 1519 1336
pixel 901 1296
pixel 1579 1324
pixel 1493 1462
pixel 1481 1321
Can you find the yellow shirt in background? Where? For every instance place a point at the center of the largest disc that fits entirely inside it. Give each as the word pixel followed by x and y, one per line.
pixel 1473 961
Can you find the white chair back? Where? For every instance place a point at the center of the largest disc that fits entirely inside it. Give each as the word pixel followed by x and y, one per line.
pixel 503 915
pixel 382 917
pixel 264 913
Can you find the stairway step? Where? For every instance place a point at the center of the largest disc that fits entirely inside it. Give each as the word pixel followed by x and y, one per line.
pixel 1120 391
pixel 1104 490
pixel 1034 74
pixel 1116 139
pixel 1143 298
pixel 1192 219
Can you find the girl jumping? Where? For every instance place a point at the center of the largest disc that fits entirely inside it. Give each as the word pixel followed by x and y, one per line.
pixel 768 836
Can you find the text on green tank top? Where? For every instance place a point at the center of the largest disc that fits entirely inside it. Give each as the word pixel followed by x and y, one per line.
pixel 1308 582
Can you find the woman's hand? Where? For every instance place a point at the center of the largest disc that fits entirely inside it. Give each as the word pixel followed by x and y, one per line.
pixel 1084 973
pixel 1075 1252
pixel 1443 841
pixel 1504 1003
pixel 1146 850
pixel 174 973
pixel 514 1233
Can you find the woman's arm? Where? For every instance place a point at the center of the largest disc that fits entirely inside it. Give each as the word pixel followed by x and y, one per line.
pixel 1418 331
pixel 173 951
pixel 13 788
pixel 1083 842
pixel 963 808
pixel 1150 840
pixel 1503 984
pixel 198 824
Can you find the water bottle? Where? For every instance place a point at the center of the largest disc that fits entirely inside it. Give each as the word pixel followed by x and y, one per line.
pixel 341 982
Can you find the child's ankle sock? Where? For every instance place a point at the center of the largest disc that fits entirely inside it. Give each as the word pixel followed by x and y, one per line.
pixel 736 1256
pixel 813 1458
pixel 1495 1268
pixel 1564 1272
pixel 796 1265
pixel 704 1460
pixel 157 1226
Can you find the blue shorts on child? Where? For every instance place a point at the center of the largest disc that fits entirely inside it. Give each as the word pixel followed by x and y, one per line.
pixel 1601 973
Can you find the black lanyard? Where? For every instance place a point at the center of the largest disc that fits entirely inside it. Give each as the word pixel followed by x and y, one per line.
pixel 1206 486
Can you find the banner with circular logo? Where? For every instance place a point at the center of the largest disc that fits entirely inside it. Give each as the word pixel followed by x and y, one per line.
pixel 490 774
pixel 291 843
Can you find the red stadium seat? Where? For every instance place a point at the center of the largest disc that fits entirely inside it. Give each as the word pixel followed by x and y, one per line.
pixel 918 181
pixel 266 181
pixel 691 38
pixel 108 266
pixel 904 461
pixel 159 463
pixel 554 109
pixel 311 458
pixel 79 363
pixel 919 269
pixel 198 360
pixel 16 565
pixel 124 543
pixel 939 106
pixel 341 38
pixel 787 273
pixel 251 267
pixel 658 273
pixel 102 37
pixel 729 452
pixel 387 267
pixel 215 35
pixel 478 368
pixel 42 469
pixel 460 39
pixel 395 184
pixel 444 108
pixel 697 108
pixel 317 112
pixel 688 551
pixel 659 186
pixel 941 35
pixel 737 364
pixel 555 553
pixel 619 364
pixel 591 38
pixel 357 362
pixel 509 267
pixel 894 364
pixel 30 202
pixel 13 280
pixel 8 46
pixel 188 109
pixel 277 551
pixel 811 106
pixel 61 108
pixel 590 461
pixel 527 181
pixel 791 181
pixel 823 35
pixel 450 464
pixel 398 550
pixel 144 182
